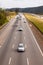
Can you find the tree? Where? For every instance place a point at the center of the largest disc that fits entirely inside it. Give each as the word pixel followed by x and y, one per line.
pixel 17 10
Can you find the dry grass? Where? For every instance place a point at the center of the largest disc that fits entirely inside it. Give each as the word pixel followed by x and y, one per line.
pixel 12 14
pixel 38 22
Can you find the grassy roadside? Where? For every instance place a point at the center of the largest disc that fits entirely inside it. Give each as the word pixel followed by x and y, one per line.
pixel 6 20
pixel 36 21
pixel 11 15
pixel 3 25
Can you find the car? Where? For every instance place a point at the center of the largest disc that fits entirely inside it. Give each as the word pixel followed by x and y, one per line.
pixel 24 21
pixel 17 17
pixel 21 47
pixel 20 29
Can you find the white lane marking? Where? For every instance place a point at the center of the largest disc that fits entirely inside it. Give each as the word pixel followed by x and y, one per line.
pixel 13 46
pixel 27 61
pixel 36 42
pixel 10 61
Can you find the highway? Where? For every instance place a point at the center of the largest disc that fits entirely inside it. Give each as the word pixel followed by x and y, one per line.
pixel 10 37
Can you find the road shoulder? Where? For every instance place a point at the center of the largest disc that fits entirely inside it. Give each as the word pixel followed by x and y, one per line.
pixel 38 35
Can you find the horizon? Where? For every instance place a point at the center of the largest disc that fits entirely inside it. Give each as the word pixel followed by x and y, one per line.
pixel 24 7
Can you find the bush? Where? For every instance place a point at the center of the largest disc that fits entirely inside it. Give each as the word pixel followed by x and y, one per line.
pixel 3 18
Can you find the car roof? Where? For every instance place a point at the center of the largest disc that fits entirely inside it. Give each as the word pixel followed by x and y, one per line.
pixel 20 44
pixel 21 28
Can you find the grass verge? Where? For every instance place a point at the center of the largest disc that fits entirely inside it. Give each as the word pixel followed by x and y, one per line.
pixel 36 21
pixel 5 19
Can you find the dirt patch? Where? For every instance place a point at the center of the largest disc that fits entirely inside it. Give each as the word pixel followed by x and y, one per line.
pixel 38 35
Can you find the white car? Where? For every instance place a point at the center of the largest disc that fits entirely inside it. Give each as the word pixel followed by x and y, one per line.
pixel 20 29
pixel 21 47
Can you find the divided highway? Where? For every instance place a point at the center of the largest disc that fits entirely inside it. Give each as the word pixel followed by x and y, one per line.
pixel 10 37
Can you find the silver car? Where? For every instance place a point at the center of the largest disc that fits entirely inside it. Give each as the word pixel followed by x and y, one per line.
pixel 21 47
pixel 20 29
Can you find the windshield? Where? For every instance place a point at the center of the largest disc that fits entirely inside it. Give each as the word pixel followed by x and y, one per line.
pixel 20 46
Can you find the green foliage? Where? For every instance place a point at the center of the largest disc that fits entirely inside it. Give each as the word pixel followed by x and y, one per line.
pixel 3 18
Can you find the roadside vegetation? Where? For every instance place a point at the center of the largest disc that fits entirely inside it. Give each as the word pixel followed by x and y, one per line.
pixel 10 15
pixel 38 22
pixel 5 16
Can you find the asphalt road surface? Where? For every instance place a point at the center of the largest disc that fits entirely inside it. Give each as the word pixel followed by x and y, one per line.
pixel 10 37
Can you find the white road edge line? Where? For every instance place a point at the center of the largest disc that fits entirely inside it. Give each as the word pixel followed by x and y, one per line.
pixel 9 60
pixel 36 42
pixel 27 61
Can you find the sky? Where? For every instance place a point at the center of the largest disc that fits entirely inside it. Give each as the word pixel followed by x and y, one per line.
pixel 20 3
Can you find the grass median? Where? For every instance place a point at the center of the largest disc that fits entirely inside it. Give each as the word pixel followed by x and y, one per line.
pixel 38 22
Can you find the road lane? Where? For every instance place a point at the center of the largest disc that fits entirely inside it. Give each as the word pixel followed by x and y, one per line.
pixel 33 52
pixel 5 31
pixel 18 58
pixel 5 50
pixel 9 54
